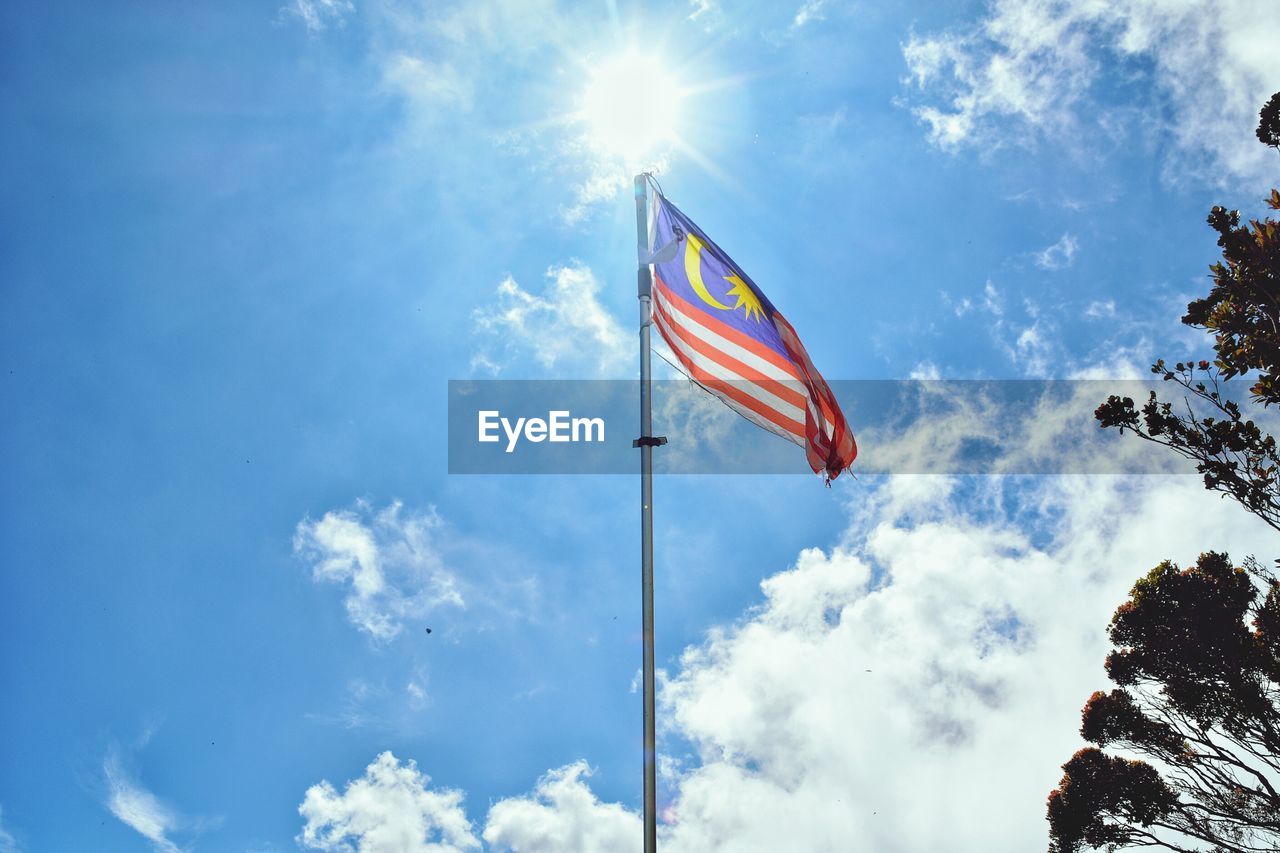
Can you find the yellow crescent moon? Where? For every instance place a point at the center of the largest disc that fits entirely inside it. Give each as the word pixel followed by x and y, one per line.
pixel 693 269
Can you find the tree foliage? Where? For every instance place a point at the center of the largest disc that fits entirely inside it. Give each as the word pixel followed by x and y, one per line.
pixel 1197 664
pixel 1242 311
pixel 1269 122
pixel 1196 661
pixel 1230 450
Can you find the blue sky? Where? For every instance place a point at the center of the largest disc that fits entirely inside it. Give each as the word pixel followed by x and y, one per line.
pixel 244 248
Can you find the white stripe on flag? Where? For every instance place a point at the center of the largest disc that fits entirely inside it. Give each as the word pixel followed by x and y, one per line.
pixel 742 385
pixel 767 369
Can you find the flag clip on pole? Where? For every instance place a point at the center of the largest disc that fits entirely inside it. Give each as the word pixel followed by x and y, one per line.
pixel 646 442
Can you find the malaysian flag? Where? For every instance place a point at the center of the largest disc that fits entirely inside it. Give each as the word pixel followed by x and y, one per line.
pixel 732 341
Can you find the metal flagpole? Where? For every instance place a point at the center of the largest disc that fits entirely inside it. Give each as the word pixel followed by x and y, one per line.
pixel 646 442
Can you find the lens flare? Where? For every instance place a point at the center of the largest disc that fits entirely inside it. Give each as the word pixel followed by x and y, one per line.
pixel 631 105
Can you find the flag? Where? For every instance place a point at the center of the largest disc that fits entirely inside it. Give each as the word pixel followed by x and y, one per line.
pixel 732 341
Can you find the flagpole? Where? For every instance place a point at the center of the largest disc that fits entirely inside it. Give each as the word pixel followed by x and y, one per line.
pixel 646 443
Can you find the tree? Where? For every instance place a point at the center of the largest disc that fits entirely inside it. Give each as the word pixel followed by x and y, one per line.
pixel 1269 122
pixel 1197 657
pixel 1242 311
pixel 1197 666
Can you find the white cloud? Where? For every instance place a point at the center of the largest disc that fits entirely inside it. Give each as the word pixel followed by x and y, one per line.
pixel 606 180
pixel 388 810
pixel 925 370
pixel 137 807
pixel 991 300
pixel 605 176
pixel 427 85
pixel 1024 61
pixel 809 12
pixel 1037 63
pixel 565 326
pixel 1100 309
pixel 1119 362
pixel 1060 255
pixel 981 644
pixel 8 844
pixel 700 8
pixel 562 814
pixel 1031 351
pixel 1029 348
pixel 1028 339
pixel 363 704
pixel 703 422
pixel 711 16
pixel 960 306
pixel 389 559
pixel 317 15
pixel 1048 428
pixel 936 658
pixel 520 26
pixel 1031 342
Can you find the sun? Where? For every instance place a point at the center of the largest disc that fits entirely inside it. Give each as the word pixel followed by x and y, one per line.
pixel 631 105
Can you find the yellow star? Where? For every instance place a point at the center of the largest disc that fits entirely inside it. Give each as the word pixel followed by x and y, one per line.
pixel 747 299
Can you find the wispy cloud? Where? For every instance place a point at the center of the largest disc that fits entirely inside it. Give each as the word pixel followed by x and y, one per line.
pixel 605 182
pixel 8 844
pixel 417 695
pixel 388 559
pixel 363 704
pixel 992 302
pixel 925 370
pixel 1031 351
pixel 810 12
pixel 702 9
pixel 820 137
pixel 960 306
pixel 1060 255
pixel 1027 338
pixel 1100 309
pixel 426 83
pixel 317 15
pixel 1028 63
pixel 1034 66
pixel 565 326
pixel 137 807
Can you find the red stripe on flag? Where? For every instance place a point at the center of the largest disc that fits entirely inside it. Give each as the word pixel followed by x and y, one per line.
pixel 738 397
pixel 724 330
pixel 774 386
pixel 830 443
pixel 728 388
